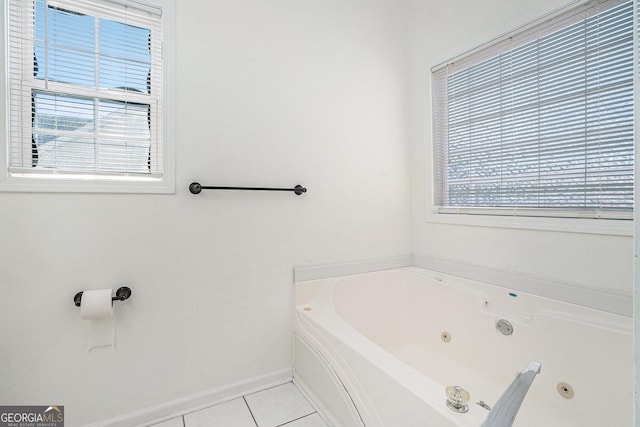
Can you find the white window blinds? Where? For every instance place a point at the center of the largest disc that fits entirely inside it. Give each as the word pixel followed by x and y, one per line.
pixel 540 123
pixel 85 89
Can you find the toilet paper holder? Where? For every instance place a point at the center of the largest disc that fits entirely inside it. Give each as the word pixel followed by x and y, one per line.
pixel 122 294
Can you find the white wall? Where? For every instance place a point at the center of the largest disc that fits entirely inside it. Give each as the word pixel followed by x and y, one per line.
pixel 271 93
pixel 442 30
pixel 267 93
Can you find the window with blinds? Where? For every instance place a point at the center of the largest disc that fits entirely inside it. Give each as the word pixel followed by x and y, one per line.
pixel 85 89
pixel 540 123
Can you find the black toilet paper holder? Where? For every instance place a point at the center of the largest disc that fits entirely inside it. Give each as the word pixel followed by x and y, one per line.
pixel 122 294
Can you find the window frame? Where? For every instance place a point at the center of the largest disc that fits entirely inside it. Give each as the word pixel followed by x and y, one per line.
pixel 514 218
pixel 34 180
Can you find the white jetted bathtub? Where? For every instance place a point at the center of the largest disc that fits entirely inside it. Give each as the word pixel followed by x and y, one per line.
pixel 379 349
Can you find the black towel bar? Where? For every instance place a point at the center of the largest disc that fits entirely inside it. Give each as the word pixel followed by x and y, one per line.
pixel 196 188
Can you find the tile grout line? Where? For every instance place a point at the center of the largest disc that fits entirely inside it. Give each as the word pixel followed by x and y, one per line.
pixel 249 408
pixel 244 398
pixel 296 419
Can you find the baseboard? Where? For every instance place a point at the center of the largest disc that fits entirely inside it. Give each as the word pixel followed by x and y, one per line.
pixel 306 391
pixel 184 405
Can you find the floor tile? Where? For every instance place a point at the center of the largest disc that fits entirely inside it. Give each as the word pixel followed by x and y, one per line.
pixel 312 420
pixel 278 405
pixel 230 414
pixel 174 422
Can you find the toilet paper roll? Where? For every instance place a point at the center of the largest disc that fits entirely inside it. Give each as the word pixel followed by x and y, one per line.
pixel 96 307
pixel 96 304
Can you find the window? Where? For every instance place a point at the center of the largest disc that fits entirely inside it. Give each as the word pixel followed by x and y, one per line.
pixel 540 123
pixel 86 95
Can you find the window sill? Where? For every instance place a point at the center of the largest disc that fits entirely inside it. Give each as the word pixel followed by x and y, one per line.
pixel 86 184
pixel 612 227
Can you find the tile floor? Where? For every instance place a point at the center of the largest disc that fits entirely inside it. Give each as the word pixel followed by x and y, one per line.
pixel 282 405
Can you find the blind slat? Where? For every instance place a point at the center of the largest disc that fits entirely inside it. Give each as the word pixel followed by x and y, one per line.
pixel 85 87
pixel 547 123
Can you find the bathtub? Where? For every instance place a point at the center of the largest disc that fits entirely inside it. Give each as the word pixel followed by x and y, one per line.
pixel 379 349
